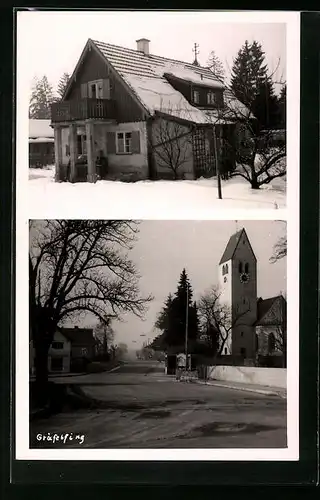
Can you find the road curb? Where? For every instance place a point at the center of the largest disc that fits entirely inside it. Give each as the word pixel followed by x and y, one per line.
pixel 245 389
pixel 113 369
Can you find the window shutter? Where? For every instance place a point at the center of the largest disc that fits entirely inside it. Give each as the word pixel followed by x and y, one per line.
pixel 135 142
pixel 106 88
pixel 84 90
pixel 111 143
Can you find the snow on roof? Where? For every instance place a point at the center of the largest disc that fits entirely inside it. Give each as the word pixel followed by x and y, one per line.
pixel 158 95
pixel 145 75
pixel 41 140
pixel 40 128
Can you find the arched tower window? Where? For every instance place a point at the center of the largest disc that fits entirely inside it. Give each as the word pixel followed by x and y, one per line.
pixel 246 267
pixel 223 270
pixel 271 343
pixel 226 268
pixel 240 267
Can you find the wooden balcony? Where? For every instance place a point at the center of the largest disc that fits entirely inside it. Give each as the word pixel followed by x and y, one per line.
pixel 83 109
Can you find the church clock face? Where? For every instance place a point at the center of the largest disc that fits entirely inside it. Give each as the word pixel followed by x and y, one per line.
pixel 244 278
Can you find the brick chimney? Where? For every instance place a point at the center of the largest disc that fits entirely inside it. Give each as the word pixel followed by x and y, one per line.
pixel 143 45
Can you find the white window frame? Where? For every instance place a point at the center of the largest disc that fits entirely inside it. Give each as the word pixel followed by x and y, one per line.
pixel 127 146
pixel 196 96
pixel 211 97
pixel 99 89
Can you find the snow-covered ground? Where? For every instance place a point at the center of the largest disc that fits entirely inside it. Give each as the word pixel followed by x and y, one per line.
pixel 147 199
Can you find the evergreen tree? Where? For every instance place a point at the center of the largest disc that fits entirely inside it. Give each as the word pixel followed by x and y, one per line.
pixel 42 97
pixel 251 84
pixel 283 107
pixel 215 65
pixel 265 106
pixel 63 83
pixel 162 319
pixel 173 317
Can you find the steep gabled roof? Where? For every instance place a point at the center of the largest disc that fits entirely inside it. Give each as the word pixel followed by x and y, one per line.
pixel 145 77
pixel 265 305
pixel 232 246
pixel 83 336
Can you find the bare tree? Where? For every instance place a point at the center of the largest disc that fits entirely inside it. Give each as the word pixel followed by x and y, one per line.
pixel 218 316
pixel 216 66
pixel 105 334
pixel 259 159
pixel 171 143
pixel 281 340
pixel 280 248
pixel 78 267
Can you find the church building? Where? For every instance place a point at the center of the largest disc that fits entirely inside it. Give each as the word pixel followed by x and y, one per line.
pixel 258 326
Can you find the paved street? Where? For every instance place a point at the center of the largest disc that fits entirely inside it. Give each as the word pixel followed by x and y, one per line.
pixel 143 408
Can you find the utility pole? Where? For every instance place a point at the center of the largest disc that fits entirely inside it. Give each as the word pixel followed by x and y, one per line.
pixel 187 324
pixel 217 154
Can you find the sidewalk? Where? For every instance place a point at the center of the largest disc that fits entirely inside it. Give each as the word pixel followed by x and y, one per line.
pixel 240 386
pixel 75 374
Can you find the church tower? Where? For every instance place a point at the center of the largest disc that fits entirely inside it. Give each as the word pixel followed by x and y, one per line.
pixel 238 286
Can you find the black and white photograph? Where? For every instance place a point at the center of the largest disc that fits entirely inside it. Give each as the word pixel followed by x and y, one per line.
pixel 158 334
pixel 181 105
pixel 157 235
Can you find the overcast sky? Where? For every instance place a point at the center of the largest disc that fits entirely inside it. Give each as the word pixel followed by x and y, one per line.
pixel 50 43
pixel 163 248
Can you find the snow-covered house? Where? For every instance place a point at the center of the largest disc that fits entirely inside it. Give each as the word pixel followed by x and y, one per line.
pixel 41 143
pixel 125 112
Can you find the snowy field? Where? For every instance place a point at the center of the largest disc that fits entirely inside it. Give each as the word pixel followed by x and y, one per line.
pixel 148 198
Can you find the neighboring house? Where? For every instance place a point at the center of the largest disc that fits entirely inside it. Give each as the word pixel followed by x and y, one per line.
pixel 71 350
pixel 127 111
pixel 84 346
pixel 270 326
pixel 41 143
pixel 59 356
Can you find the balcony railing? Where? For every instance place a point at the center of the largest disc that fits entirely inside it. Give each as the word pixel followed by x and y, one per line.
pixel 82 109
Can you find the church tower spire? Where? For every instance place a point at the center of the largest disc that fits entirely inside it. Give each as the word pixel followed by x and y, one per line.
pixel 238 285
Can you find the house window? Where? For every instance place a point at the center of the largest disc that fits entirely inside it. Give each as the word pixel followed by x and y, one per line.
pixel 57 345
pixel 241 334
pixel 196 96
pixel 225 350
pixel 124 142
pixel 211 98
pixel 96 90
pixel 93 90
pixel 57 364
pixel 84 351
pixel 243 352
